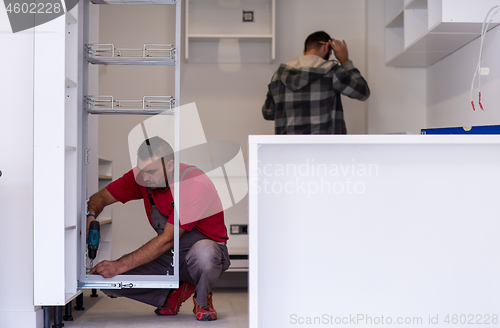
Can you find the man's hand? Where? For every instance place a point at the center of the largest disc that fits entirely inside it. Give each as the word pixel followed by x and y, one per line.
pixel 340 50
pixel 107 269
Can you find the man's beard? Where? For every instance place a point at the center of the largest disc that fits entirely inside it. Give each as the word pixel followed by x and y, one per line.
pixel 158 187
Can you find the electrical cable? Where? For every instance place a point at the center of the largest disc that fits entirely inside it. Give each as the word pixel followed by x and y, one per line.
pixel 486 24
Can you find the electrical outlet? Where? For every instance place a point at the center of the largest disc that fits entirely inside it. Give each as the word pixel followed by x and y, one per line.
pixel 239 229
pixel 247 16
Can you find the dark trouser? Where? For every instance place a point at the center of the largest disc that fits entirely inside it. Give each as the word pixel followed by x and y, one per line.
pixel 201 262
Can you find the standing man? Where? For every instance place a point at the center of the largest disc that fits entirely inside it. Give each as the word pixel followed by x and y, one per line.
pixel 304 94
pixel 202 232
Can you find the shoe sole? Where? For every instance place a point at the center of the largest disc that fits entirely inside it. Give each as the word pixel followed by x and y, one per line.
pixel 161 314
pixel 206 317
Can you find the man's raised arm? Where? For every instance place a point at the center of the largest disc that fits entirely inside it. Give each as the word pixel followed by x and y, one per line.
pixel 97 202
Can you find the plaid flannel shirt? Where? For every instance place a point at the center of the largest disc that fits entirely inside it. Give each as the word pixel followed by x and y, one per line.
pixel 304 95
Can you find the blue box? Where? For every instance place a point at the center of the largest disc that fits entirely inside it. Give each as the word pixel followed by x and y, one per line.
pixel 485 129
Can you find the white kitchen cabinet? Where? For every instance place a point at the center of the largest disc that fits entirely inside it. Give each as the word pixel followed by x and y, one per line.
pixel 419 33
pixel 216 32
pixel 57 160
pixel 66 168
pixel 374 226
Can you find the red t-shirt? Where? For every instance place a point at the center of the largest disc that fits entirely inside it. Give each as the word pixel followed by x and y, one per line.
pixel 200 205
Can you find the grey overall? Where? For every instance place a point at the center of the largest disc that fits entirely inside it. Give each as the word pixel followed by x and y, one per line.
pixel 201 262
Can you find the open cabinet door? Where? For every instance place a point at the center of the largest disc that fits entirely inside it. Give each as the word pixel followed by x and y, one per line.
pixel 57 160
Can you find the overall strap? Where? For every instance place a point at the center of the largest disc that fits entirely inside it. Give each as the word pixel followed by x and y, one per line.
pixel 151 201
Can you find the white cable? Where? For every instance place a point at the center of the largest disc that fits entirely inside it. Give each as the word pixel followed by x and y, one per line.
pixel 484 30
pixel 489 18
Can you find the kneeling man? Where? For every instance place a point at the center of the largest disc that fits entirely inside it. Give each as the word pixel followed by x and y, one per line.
pixel 202 232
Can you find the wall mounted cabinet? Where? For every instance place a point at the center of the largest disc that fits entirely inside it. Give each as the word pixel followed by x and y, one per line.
pixel 419 33
pixel 216 32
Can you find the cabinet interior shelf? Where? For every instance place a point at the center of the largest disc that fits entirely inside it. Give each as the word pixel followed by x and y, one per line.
pixel 149 105
pixel 149 54
pixel 229 36
pixel 105 221
pixel 105 177
pixel 209 23
pixel 130 111
pixel 72 227
pixel 397 21
pixel 417 4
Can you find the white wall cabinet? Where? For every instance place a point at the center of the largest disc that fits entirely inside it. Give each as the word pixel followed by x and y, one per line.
pixel 216 32
pixel 419 33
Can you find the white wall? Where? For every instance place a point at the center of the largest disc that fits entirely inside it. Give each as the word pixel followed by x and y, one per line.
pixel 341 19
pixel 398 100
pixel 229 97
pixel 449 82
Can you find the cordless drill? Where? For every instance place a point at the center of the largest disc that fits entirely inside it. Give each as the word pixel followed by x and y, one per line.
pixel 93 240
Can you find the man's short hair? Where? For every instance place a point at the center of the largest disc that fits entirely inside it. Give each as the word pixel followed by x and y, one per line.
pixel 313 40
pixel 155 147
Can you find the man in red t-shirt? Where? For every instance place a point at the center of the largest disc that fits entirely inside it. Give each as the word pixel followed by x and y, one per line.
pixel 202 232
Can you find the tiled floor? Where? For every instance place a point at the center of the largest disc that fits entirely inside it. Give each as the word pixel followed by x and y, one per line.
pixel 104 312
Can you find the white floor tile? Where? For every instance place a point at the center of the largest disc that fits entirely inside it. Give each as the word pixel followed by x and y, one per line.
pixel 104 312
